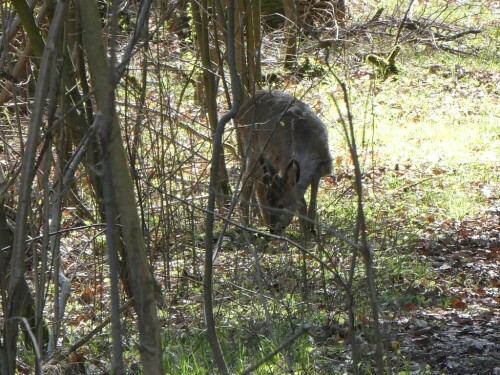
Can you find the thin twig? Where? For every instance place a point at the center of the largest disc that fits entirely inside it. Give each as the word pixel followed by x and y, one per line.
pixel 403 22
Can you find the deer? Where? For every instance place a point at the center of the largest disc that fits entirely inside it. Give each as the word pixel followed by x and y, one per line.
pixel 286 150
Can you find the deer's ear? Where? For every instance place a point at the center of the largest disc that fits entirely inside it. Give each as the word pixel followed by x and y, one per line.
pixel 264 164
pixel 267 179
pixel 266 167
pixel 292 174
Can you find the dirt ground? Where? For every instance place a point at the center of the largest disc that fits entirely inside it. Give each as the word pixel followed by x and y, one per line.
pixel 464 337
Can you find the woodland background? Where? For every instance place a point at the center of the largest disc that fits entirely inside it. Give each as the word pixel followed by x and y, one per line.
pixel 121 248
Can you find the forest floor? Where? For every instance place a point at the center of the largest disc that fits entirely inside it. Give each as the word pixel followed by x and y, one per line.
pixel 463 338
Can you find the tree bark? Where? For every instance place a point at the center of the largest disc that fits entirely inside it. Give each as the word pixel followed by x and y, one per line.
pixel 291 32
pixel 139 272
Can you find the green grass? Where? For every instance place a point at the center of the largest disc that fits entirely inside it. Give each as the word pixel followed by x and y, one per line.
pixel 431 138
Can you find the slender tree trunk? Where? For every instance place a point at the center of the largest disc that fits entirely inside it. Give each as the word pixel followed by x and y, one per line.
pixel 209 223
pixel 341 12
pixel 291 33
pixel 200 18
pixel 17 293
pixel 248 37
pixel 361 231
pixel 253 44
pixel 139 272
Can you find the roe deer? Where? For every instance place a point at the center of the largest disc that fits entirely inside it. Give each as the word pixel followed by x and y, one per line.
pixel 286 151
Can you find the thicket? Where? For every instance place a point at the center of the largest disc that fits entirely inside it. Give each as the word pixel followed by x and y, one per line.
pixel 121 244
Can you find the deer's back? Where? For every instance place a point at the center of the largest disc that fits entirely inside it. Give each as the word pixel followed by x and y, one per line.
pixel 281 128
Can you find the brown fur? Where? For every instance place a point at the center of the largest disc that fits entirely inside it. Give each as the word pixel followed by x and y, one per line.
pixel 286 148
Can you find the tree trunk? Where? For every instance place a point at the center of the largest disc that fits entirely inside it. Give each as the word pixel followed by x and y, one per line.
pixel 139 272
pixel 291 33
pixel 200 19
